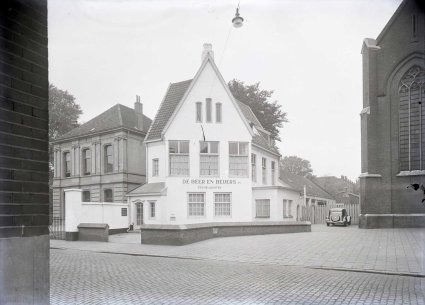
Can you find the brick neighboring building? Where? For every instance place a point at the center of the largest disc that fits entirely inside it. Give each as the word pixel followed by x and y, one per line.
pixel 24 167
pixel 342 189
pixel 393 122
pixel 104 157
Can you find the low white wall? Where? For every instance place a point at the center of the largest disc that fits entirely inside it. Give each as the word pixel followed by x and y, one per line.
pixel 105 212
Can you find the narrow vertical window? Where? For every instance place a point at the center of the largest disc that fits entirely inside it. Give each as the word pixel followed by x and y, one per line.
pixel 109 158
pixel 208 158
pixel 272 172
pixel 289 208
pixel 198 112
pixel 412 120
pixel 218 112
pixel 264 168
pixel 155 167
pixel 67 164
pixel 209 110
pixel 152 209
pixel 254 167
pixel 86 161
pixel 414 26
pixel 285 207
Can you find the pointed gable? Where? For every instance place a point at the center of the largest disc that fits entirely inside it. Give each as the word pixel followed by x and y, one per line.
pixel 172 98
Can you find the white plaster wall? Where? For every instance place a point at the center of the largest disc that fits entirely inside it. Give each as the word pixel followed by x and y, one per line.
pixel 157 150
pixel 269 157
pixel 105 212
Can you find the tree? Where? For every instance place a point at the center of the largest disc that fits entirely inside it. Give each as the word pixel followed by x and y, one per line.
pixel 64 113
pixel 297 166
pixel 268 113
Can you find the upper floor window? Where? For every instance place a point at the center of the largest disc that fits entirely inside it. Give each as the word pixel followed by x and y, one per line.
pixel 273 172
pixel 238 159
pixel 86 161
pixel 179 158
pixel 208 159
pixel 155 167
pixel 198 112
pixel 218 113
pixel 412 120
pixel 209 110
pixel 67 164
pixel 264 168
pixel 86 196
pixel 254 167
pixel 109 158
pixel 107 195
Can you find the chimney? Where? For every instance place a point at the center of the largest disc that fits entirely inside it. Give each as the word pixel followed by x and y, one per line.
pixel 138 108
pixel 207 50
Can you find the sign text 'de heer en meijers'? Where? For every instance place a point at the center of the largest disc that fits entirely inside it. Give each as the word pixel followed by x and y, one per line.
pixel 210 183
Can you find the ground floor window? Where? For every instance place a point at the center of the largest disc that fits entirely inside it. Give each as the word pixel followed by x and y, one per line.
pixel 196 204
pixel 152 209
pixel 262 208
pixel 139 213
pixel 287 208
pixel 222 204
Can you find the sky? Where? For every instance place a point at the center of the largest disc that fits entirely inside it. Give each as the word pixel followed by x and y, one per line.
pixel 105 52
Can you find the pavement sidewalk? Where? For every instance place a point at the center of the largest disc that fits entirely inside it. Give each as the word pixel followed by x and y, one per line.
pixel 389 251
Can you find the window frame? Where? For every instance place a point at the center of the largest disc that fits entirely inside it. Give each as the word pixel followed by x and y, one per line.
pixel 152 203
pixel 198 112
pixel 86 170
pixel 208 110
pixel 253 167
pixel 106 164
pixel 239 155
pixel 104 195
pixel 82 195
pixel 230 204
pixel 262 201
pixel 218 112
pixel 155 167
pixel 264 169
pixel 273 172
pixel 178 153
pixel 209 154
pixel 203 207
pixel 66 168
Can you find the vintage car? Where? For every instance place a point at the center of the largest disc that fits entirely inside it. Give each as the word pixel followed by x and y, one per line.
pixel 338 216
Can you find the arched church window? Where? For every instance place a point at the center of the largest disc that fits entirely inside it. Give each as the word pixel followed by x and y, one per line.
pixel 412 120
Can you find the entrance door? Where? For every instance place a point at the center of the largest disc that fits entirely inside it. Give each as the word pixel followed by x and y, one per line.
pixel 139 213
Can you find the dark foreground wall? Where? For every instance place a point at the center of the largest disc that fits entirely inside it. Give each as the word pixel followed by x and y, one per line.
pixel 24 193
pixel 186 234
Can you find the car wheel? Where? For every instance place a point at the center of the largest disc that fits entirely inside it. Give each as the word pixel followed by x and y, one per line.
pixel 327 224
pixel 345 224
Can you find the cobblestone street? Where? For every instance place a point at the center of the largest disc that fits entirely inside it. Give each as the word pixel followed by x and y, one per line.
pixel 82 277
pixel 269 269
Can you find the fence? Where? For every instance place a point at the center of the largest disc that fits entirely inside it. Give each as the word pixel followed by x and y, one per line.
pixel 317 213
pixel 57 228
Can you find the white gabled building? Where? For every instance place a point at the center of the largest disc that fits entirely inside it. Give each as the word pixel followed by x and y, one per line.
pixel 209 159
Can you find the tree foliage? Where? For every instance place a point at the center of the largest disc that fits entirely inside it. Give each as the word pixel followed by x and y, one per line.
pixel 64 112
pixel 297 165
pixel 267 112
